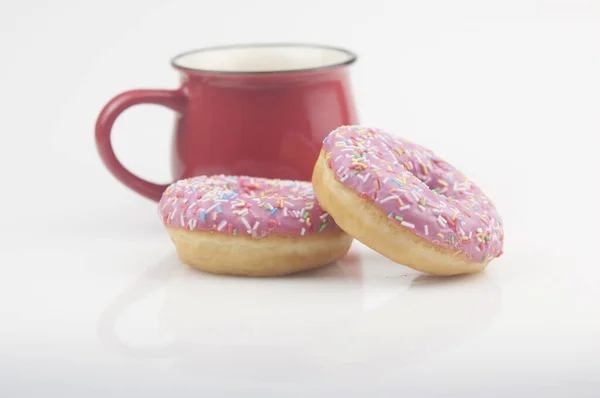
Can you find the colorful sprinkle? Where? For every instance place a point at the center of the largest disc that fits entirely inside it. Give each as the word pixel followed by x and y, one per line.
pixel 256 205
pixel 391 197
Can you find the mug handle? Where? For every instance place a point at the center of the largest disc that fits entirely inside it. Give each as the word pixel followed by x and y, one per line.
pixel 172 99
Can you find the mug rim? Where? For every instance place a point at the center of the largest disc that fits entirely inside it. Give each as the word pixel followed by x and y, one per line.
pixel 352 57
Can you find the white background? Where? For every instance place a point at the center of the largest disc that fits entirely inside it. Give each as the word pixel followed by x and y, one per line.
pixel 90 286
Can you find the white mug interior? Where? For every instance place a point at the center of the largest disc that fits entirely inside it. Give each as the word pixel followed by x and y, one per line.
pixel 263 58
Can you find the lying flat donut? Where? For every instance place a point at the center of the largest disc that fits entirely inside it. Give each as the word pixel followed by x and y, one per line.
pixel 406 203
pixel 250 226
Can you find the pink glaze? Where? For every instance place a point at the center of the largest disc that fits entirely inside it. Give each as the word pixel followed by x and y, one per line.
pixel 416 190
pixel 250 206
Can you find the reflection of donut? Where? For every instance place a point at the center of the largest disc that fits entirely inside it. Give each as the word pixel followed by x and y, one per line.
pixel 444 312
pixel 252 310
pixel 404 202
pixel 250 226
pixel 313 324
pixel 327 335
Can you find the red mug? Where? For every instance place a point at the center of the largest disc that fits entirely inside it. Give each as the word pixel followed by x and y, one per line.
pixel 259 110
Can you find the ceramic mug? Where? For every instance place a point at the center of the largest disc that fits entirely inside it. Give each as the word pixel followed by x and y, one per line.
pixel 259 110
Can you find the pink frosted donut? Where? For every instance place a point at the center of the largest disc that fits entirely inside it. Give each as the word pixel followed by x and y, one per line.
pixel 250 226
pixel 406 203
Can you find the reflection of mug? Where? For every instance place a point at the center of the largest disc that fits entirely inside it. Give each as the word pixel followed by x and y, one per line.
pixel 259 110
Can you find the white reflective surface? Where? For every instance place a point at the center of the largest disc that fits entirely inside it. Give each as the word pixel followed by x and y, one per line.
pixel 99 309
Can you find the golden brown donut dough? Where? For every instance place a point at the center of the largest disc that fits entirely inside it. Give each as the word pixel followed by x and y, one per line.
pixel 268 256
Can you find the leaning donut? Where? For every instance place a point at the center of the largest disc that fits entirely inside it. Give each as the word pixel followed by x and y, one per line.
pixel 250 226
pixel 406 203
